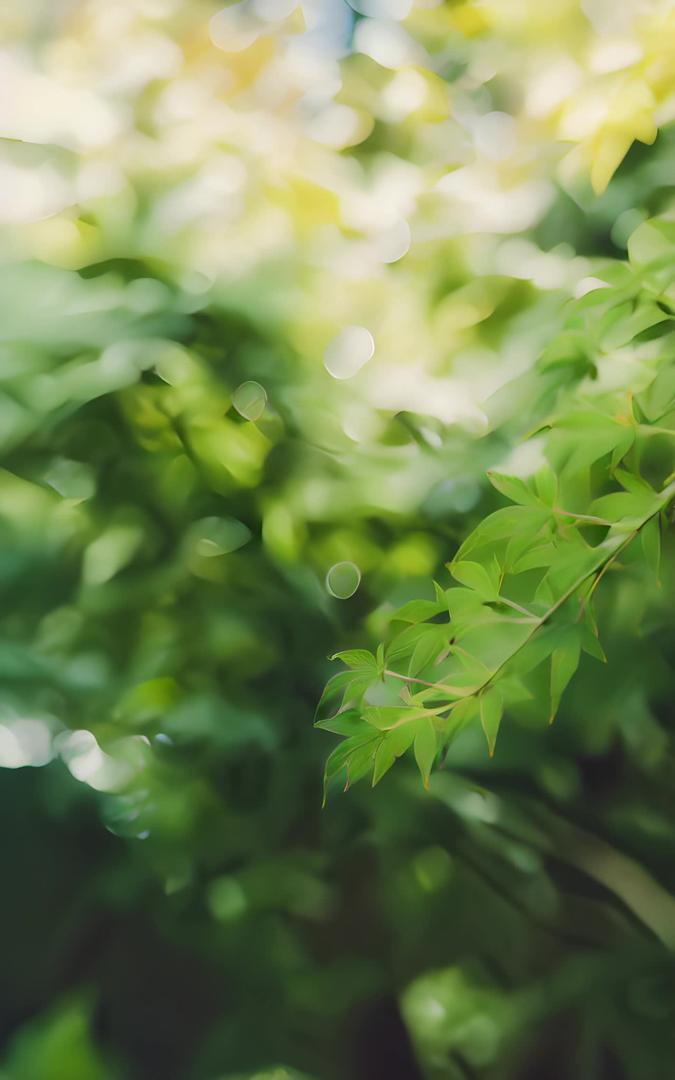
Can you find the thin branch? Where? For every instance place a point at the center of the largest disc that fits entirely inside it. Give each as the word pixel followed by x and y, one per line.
pixel 458 691
pixel 653 429
pixel 589 518
pixel 516 607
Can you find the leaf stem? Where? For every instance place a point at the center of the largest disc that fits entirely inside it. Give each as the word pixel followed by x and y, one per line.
pixel 458 691
pixel 591 519
pixel 516 607
pixel 653 429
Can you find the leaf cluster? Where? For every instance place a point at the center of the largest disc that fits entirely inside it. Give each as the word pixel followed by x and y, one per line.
pixel 526 576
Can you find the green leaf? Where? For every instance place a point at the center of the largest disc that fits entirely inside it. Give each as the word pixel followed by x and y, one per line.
pixel 513 690
pixel 345 723
pixel 386 717
pixel 631 324
pixel 380 659
pixel 349 684
pixel 512 487
pixel 353 683
pixel 624 504
pixel 570 349
pixel 393 745
pixel 659 398
pixel 404 643
pixel 384 759
pixel 564 662
pixel 537 649
pixel 335 686
pixel 633 483
pixel 425 749
pixel 463 604
pixel 546 483
pixel 581 438
pixel 476 577
pixel 360 762
pixel 428 648
pixel 591 644
pixel 541 555
pixel 470 664
pixel 418 611
pixel 356 658
pixel 572 563
pixel 651 545
pixel 652 240
pixel 462 714
pixel 494 642
pixel 491 709
pixel 504 523
pixel 339 759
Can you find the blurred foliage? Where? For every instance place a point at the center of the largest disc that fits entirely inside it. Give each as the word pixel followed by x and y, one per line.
pixel 279 283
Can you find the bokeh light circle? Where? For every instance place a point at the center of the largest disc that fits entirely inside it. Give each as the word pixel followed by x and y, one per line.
pixel 250 399
pixel 343 579
pixel 348 352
